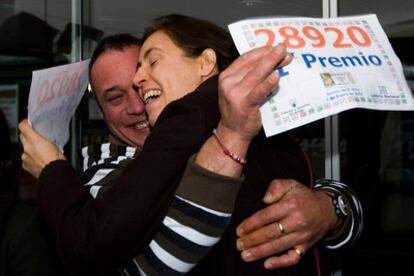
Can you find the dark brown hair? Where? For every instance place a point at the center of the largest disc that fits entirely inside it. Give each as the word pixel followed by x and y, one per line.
pixel 117 42
pixel 194 35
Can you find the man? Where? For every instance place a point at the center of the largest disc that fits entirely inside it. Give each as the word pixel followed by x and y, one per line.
pixel 123 111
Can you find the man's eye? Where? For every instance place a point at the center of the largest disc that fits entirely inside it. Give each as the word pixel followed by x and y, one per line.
pixel 152 62
pixel 114 98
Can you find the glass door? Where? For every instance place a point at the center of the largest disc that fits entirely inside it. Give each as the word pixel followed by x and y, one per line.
pixel 378 160
pixel 106 17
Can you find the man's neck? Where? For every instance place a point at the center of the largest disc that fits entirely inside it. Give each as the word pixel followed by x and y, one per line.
pixel 115 140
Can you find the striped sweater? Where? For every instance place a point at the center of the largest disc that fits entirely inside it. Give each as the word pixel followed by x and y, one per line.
pixel 194 222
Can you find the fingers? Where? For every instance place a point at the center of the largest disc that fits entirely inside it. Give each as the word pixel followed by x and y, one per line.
pixel 23 128
pixel 288 259
pixel 275 246
pixel 286 61
pixel 263 235
pixel 304 219
pixel 264 68
pixel 270 214
pixel 262 90
pixel 38 150
pixel 243 87
pixel 27 132
pixel 278 188
pixel 253 67
pixel 236 72
pixel 246 59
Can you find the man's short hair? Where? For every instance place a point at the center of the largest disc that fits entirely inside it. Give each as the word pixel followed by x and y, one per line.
pixel 112 42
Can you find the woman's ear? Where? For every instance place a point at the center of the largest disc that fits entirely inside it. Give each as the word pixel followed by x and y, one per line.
pixel 208 63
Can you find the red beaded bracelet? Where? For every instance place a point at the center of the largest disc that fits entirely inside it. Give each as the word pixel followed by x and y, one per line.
pixel 233 156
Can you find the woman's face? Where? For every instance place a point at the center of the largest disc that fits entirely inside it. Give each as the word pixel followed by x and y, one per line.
pixel 165 73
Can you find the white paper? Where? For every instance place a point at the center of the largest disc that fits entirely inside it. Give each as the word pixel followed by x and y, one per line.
pixel 54 95
pixel 338 64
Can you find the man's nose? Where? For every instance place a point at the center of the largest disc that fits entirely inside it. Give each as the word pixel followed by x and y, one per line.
pixel 135 105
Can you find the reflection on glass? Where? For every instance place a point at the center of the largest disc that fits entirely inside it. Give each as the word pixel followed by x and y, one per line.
pixel 30 32
pixel 378 160
pixel 110 18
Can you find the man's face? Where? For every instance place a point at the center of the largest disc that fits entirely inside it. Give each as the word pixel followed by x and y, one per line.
pixel 123 109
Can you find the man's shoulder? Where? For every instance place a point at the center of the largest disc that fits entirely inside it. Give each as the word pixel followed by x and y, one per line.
pixel 103 164
pixel 106 153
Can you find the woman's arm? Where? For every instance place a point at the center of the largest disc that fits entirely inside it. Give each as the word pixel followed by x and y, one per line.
pixel 94 230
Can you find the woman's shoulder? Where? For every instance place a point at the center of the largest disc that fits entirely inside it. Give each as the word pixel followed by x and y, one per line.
pixel 206 95
pixel 202 103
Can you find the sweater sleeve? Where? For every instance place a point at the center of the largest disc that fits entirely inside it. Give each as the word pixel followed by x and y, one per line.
pixel 194 222
pixel 193 225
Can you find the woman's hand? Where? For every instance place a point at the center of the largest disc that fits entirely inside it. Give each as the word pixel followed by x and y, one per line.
pixel 38 150
pixel 243 87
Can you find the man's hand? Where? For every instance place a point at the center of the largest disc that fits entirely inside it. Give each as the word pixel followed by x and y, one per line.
pixel 38 151
pixel 296 218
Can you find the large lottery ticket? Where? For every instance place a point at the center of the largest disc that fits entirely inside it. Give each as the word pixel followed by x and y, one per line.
pixel 338 64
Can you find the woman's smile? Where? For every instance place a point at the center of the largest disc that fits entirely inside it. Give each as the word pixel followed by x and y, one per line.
pixel 150 95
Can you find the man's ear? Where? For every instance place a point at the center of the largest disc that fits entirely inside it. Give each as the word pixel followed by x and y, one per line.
pixel 208 63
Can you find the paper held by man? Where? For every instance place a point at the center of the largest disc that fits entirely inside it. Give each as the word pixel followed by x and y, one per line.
pixel 338 64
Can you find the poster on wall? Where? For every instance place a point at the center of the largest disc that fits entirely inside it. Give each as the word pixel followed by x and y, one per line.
pixel 9 104
pixel 338 64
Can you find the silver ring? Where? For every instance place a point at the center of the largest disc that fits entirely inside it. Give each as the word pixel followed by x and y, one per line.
pixel 300 253
pixel 281 228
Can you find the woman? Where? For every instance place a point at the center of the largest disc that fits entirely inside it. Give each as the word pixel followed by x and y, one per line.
pixel 96 235
pixel 173 63
pixel 170 70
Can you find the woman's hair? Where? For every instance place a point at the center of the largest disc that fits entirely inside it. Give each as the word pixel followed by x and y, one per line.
pixel 194 35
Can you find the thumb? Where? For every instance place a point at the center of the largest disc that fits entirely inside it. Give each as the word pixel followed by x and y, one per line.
pixel 277 189
pixel 24 127
pixel 27 130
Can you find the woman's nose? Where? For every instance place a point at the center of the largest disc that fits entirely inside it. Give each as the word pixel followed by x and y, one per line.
pixel 140 77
